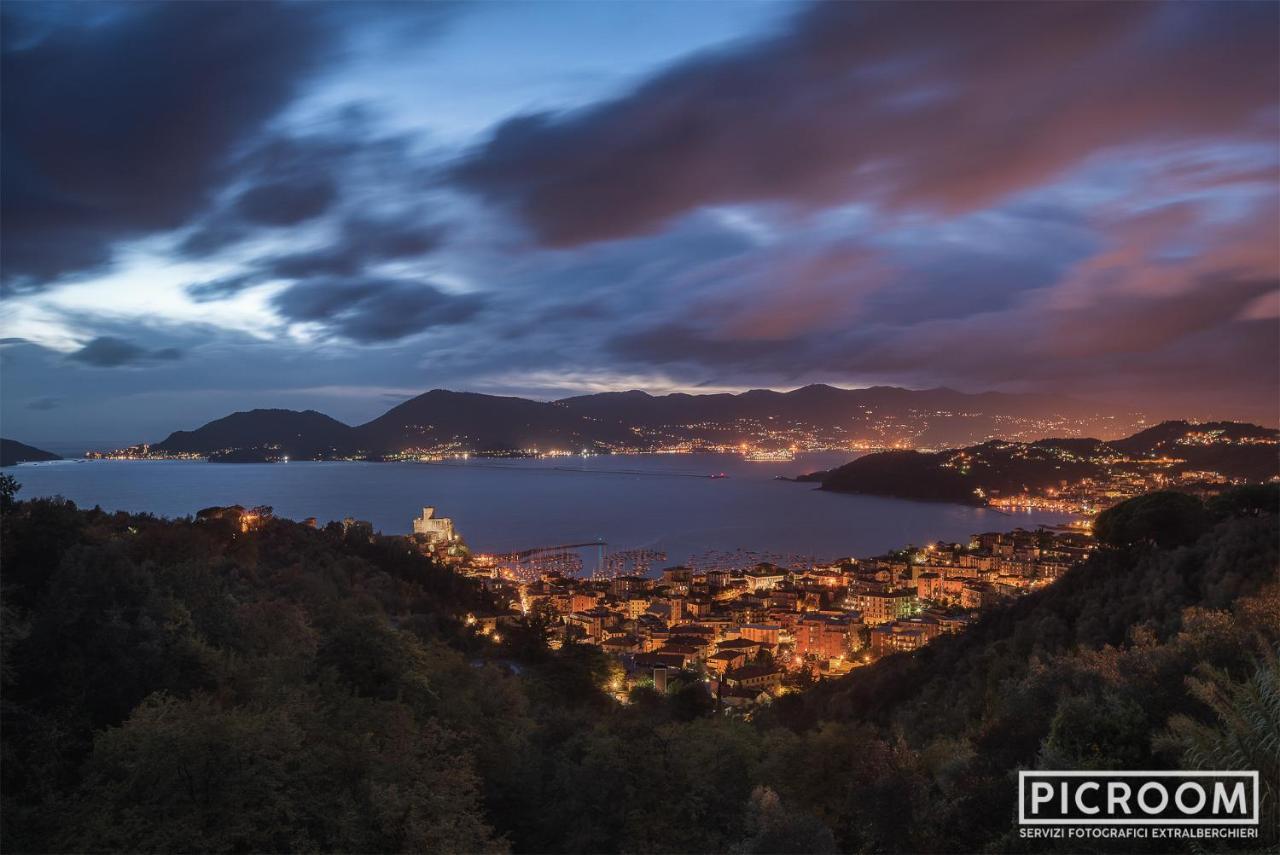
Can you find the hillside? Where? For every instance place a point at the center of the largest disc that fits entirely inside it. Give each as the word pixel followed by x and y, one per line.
pixel 1235 449
pixel 184 685
pixel 13 452
pixel 289 432
pixel 973 474
pixel 482 423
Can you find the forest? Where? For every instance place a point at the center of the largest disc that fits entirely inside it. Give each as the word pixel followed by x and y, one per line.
pixel 182 685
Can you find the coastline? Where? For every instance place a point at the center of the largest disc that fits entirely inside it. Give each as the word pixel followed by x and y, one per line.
pixel 502 508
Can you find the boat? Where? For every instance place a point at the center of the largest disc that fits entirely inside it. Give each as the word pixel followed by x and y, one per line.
pixel 718 475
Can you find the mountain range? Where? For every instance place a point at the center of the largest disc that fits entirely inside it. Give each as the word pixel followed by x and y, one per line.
pixel 817 415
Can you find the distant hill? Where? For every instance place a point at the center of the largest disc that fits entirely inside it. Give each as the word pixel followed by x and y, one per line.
pixel 1233 448
pixel 13 452
pixel 817 414
pixel 289 432
pixel 996 468
pixel 925 417
pixel 816 403
pixel 483 423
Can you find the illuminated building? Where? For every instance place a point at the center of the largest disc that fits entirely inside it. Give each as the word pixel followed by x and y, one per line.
pixel 434 529
pixel 822 636
pixel 883 606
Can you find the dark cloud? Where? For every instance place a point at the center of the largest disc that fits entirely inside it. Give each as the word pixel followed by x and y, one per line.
pixel 676 342
pixel 215 233
pixel 285 180
pixel 112 352
pixel 373 310
pixel 117 128
pixel 1127 324
pixel 44 404
pixel 946 105
pixel 288 180
pixel 286 203
pixel 361 243
pixel 220 289
pixel 989 262
pixel 385 239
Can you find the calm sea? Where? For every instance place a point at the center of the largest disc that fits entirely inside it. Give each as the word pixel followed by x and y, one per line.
pixel 660 502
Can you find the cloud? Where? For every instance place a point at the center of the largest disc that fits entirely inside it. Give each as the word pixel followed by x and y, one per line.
pixel 675 342
pixel 286 203
pixel 946 106
pixel 44 404
pixel 112 352
pixel 222 288
pixel 342 175
pixel 1144 293
pixel 369 311
pixel 359 244
pixel 1050 196
pixel 118 126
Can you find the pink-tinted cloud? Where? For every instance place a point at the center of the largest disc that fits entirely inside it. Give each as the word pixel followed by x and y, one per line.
pixel 946 105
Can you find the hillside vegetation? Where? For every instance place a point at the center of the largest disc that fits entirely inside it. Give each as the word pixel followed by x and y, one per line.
pixel 181 685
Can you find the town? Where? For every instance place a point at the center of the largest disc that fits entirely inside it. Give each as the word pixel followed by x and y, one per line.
pixel 751 633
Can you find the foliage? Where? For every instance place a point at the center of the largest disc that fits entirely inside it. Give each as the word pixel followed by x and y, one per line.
pixel 1164 519
pixel 1245 731
pixel 773 829
pixel 9 488
pixel 1250 500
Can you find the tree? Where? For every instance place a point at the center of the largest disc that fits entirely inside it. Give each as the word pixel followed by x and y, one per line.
pixel 1245 731
pixel 688 696
pixel 1250 500
pixel 1106 731
pixel 345 774
pixel 526 639
pixel 189 775
pixel 773 829
pixel 1163 519
pixel 9 488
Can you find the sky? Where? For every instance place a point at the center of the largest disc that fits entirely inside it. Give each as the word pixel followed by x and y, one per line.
pixel 209 207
